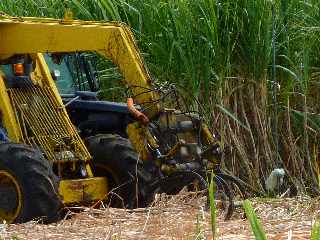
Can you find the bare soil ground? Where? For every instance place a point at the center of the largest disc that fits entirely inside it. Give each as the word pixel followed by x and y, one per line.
pixel 175 217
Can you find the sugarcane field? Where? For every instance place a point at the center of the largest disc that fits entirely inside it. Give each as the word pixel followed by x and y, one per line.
pixel 160 119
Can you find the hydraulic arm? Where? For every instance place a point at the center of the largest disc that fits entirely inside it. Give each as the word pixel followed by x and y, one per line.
pixel 112 40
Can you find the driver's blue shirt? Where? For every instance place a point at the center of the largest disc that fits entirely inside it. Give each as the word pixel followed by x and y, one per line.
pixel 3 134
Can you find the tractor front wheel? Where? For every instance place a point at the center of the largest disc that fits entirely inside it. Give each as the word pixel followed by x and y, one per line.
pixel 115 158
pixel 28 187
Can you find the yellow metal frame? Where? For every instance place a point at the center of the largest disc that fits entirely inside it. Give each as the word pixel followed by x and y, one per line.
pixel 112 40
pixel 41 107
pixel 9 118
pixel 140 137
pixel 83 190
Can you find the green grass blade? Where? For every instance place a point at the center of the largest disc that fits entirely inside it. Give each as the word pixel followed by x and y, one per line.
pixel 315 232
pixel 256 226
pixel 226 111
pixel 212 190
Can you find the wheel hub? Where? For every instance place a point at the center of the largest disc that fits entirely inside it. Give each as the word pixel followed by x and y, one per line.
pixel 10 197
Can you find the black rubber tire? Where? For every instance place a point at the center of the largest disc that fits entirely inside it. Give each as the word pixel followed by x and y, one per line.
pixel 38 184
pixel 175 182
pixel 114 158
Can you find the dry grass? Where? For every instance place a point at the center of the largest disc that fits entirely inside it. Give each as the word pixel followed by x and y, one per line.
pixel 178 217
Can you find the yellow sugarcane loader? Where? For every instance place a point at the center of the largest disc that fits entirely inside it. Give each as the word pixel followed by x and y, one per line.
pixel 60 148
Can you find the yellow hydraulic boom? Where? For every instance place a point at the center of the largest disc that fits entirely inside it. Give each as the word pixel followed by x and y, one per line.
pixel 112 40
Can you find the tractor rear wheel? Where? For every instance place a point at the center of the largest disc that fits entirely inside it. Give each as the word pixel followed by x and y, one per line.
pixel 28 187
pixel 115 158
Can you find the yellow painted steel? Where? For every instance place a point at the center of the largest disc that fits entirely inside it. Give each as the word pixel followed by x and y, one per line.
pixel 112 40
pixel 8 180
pixel 83 190
pixel 48 124
pixel 136 135
pixel 210 141
pixel 140 137
pixel 43 69
pixel 207 135
pixel 9 118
